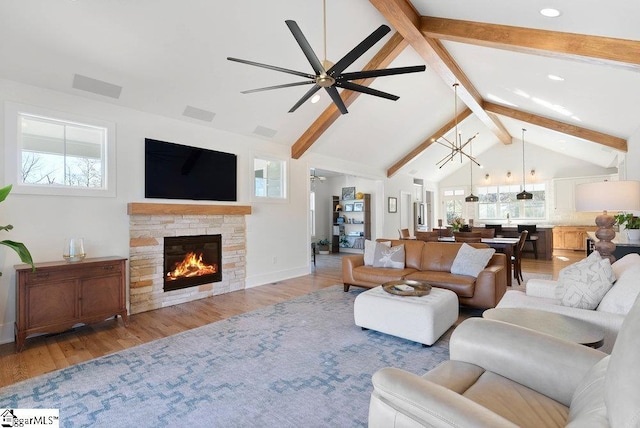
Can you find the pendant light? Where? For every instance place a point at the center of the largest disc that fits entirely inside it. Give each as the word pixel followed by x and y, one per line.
pixel 524 195
pixel 471 197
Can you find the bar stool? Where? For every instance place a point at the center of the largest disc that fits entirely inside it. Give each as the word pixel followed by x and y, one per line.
pixel 531 238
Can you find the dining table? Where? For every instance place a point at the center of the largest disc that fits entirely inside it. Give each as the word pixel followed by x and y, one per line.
pixel 501 245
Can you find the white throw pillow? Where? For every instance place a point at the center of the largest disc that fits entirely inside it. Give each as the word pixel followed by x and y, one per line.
pixel 471 261
pixel 370 250
pixel 584 284
pixel 389 257
pixel 619 299
pixel 621 265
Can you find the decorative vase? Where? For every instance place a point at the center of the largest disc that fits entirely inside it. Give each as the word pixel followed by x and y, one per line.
pixel 633 234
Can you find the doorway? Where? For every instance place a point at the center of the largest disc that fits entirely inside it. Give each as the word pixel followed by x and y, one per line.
pixel 406 211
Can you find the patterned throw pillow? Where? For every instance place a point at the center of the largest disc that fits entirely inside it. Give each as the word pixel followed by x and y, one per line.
pixel 370 250
pixel 389 257
pixel 584 284
pixel 471 261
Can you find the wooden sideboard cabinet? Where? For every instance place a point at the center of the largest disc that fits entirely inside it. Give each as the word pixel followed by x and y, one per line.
pixel 59 295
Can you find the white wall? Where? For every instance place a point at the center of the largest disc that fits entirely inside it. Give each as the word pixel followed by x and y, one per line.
pixel 277 233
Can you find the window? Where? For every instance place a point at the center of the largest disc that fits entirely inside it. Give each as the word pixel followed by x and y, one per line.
pixel 498 201
pixel 269 178
pixel 57 154
pixel 453 200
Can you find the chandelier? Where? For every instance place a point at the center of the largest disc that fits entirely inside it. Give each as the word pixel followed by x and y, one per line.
pixel 457 147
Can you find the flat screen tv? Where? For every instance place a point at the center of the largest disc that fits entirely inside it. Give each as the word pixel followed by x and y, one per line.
pixel 174 171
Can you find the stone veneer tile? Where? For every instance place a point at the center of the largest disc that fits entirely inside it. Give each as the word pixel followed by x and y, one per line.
pixel 146 258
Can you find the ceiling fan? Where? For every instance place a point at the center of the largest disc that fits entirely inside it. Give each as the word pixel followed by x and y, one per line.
pixel 330 76
pixel 314 177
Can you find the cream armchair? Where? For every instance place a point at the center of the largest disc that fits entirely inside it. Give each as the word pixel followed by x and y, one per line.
pixel 502 375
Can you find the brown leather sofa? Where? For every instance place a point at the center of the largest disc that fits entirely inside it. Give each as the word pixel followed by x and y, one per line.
pixel 431 262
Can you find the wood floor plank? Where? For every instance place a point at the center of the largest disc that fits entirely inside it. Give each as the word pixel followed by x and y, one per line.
pixel 44 354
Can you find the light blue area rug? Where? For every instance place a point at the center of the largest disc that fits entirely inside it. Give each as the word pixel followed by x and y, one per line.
pixel 298 363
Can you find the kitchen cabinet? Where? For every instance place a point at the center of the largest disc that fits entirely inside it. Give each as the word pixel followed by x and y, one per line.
pixel 571 237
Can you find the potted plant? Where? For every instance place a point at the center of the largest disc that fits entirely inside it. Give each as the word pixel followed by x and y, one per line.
pixel 631 224
pixel 344 242
pixel 323 246
pixel 18 247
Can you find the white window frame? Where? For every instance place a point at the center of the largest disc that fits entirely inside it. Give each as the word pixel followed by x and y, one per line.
pixel 521 203
pixel 312 212
pixel 13 152
pixel 453 194
pixel 284 180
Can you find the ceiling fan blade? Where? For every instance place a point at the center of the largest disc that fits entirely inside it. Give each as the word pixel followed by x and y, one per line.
pixel 380 73
pixel 272 67
pixel 359 50
pixel 305 46
pixel 337 100
pixel 286 85
pixel 366 90
pixel 305 97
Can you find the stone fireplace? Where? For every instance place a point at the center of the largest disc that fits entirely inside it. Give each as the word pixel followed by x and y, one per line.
pixel 150 224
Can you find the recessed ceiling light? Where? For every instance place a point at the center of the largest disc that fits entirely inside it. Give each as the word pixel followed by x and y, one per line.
pixel 550 13
pixel 315 98
pixel 556 78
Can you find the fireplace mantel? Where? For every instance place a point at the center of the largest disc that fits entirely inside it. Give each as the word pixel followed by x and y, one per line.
pixel 143 208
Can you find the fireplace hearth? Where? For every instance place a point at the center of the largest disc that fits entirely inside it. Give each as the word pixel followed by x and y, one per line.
pixel 192 260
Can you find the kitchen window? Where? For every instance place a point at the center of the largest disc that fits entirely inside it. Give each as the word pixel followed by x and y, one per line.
pixel 496 202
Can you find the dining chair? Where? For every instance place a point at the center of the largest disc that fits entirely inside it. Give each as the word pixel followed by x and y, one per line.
pixel 532 238
pixel 484 232
pixel 516 259
pixel 426 236
pixel 467 236
pixel 405 234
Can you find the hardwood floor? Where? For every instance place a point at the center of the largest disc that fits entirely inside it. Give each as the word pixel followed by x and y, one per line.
pixel 47 353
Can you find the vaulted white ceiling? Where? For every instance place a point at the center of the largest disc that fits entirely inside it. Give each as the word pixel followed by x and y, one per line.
pixel 167 55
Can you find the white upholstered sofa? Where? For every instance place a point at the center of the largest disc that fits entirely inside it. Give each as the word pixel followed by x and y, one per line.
pixel 610 312
pixel 503 375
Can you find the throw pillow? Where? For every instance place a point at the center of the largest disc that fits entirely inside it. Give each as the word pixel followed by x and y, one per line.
pixel 389 257
pixel 619 299
pixel 370 250
pixel 471 261
pixel 621 265
pixel 584 284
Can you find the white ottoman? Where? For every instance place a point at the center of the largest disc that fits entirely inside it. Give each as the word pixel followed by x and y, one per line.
pixel 421 319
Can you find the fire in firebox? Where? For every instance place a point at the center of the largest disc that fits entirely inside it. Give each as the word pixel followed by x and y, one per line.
pixel 191 266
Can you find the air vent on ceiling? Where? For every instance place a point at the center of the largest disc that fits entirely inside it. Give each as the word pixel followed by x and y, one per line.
pixel 96 86
pixel 198 113
pixel 265 132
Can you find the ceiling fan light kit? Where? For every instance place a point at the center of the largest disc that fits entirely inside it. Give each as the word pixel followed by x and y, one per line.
pixel 330 76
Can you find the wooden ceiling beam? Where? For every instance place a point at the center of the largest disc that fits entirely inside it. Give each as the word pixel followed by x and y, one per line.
pixel 565 128
pixel 555 44
pixel 382 59
pixel 428 142
pixel 405 19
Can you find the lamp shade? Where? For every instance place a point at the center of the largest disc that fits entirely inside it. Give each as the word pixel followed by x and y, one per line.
pixel 608 196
